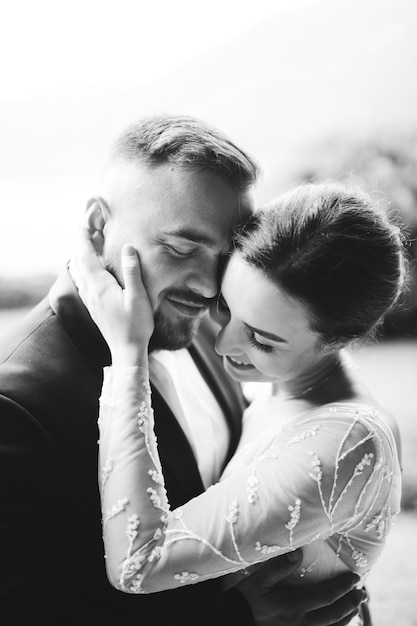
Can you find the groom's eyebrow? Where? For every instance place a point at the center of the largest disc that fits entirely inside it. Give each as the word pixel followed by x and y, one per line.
pixel 193 235
pixel 266 334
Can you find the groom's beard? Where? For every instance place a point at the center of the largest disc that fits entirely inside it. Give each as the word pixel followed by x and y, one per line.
pixel 174 331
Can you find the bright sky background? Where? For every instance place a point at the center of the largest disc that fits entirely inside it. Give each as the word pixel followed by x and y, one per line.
pixel 83 41
pixel 48 46
pixel 268 72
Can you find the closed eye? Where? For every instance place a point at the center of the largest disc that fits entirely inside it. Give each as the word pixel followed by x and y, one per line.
pixel 253 342
pixel 179 253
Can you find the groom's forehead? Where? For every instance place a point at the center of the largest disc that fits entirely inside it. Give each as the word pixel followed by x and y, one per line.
pixel 164 192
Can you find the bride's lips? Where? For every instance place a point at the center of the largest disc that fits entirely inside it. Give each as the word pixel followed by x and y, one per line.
pixel 238 365
pixel 185 308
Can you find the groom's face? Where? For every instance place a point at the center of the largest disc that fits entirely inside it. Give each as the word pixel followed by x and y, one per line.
pixel 181 224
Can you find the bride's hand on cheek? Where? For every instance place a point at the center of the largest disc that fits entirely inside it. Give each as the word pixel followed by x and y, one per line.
pixel 124 316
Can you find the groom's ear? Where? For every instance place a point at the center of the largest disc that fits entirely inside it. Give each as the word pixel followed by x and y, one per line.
pixel 95 220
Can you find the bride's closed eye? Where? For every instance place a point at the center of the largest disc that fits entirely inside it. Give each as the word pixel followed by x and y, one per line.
pixel 256 344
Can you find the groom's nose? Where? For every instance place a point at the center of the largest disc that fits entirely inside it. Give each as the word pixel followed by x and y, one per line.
pixel 203 279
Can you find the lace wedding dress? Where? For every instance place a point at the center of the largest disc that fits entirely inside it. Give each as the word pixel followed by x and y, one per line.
pixel 327 480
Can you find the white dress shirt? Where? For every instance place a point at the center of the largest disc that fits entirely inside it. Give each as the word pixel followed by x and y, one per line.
pixel 178 380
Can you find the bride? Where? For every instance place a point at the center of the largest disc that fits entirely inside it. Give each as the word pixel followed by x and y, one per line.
pixel 317 467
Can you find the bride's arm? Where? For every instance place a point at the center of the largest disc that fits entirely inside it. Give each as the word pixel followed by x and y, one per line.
pixel 315 480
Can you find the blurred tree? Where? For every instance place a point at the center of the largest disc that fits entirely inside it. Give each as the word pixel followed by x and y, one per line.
pixel 386 168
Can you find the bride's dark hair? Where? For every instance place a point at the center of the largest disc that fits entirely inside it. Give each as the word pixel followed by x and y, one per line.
pixel 332 249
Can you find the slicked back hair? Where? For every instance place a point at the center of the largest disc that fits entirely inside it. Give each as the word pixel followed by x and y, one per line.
pixel 189 143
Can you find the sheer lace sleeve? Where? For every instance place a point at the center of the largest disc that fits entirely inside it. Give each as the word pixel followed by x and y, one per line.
pixel 326 474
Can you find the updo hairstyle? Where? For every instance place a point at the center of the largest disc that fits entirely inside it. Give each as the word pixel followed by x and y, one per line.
pixel 332 249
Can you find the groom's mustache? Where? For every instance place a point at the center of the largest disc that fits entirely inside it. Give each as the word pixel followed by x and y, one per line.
pixel 186 296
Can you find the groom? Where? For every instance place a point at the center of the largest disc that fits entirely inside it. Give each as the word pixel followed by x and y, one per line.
pixel 175 188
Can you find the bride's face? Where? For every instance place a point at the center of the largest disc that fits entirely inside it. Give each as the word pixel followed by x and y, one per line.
pixel 265 333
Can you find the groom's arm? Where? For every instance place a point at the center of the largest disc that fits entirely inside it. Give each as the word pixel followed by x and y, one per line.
pixel 273 603
pixel 263 599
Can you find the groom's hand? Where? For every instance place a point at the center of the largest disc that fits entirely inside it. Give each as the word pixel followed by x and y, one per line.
pixel 274 603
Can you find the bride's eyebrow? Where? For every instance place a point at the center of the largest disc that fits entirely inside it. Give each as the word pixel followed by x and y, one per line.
pixel 266 334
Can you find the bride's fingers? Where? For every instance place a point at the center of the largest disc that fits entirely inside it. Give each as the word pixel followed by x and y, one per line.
pixel 87 271
pixel 132 275
pixel 135 296
pixel 84 240
pixel 86 257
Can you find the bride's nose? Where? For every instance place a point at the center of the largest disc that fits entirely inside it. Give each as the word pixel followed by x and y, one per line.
pixel 228 341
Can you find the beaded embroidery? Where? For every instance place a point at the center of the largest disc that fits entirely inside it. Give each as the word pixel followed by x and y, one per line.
pixel 292 492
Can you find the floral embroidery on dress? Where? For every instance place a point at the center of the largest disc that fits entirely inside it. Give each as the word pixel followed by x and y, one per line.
pixel 378 523
pixel 143 416
pixel 294 517
pixel 186 577
pixel 306 570
pixel 156 553
pixel 132 527
pixel 156 476
pixel 105 471
pixel 264 549
pixel 233 512
pixel 366 460
pixel 132 564
pixel 155 498
pixel 147 387
pixel 116 509
pixel 359 558
pixel 316 463
pixel 252 489
pixel 136 584
pixel 275 499
pixel 312 432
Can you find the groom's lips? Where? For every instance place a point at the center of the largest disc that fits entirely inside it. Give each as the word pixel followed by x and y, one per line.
pixel 187 308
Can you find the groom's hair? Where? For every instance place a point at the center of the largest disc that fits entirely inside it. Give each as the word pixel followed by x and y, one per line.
pixel 189 143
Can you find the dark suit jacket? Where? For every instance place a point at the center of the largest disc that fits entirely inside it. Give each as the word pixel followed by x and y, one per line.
pixel 51 552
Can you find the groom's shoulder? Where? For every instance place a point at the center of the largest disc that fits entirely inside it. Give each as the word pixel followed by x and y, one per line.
pixel 25 332
pixel 37 353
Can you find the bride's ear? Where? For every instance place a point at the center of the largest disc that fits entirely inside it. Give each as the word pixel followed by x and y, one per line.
pixel 95 220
